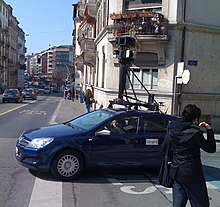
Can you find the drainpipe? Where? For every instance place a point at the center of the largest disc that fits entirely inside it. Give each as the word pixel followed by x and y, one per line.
pixel 182 54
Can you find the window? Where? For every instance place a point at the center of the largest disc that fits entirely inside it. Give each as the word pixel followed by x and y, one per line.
pixel 124 125
pixel 103 66
pixel 97 73
pixel 90 120
pixel 148 76
pixel 154 125
pixel 155 78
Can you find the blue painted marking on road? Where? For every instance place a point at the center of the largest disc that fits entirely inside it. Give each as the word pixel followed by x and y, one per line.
pixel 213 181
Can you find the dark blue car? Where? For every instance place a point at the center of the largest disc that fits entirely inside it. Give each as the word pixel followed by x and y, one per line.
pixel 104 137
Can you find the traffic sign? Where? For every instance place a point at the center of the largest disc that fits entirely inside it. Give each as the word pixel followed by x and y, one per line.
pixel 185 76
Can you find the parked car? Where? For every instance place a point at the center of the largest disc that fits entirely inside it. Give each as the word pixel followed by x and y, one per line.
pixel 47 90
pixel 29 93
pixel 92 140
pixel 12 95
pixel 54 89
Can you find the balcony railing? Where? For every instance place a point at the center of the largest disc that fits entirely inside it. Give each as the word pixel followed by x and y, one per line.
pixel 138 23
pixel 88 50
pixel 87 44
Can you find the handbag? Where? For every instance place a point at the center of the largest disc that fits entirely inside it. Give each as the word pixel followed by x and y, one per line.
pixel 164 177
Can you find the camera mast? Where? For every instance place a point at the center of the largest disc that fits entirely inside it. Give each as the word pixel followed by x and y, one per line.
pixel 125 51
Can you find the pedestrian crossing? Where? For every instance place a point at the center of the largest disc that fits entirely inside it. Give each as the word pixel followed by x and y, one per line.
pixel 49 193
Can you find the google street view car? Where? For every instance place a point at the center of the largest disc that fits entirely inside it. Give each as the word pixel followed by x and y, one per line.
pixel 105 137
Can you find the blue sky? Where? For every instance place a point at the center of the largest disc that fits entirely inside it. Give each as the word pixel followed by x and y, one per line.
pixel 47 22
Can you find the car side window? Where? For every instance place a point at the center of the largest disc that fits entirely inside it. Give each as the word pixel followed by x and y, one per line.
pixel 123 125
pixel 154 125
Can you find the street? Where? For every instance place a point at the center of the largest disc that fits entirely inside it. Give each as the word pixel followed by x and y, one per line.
pixel 108 187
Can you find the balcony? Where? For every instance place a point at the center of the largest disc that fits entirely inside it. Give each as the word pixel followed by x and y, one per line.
pixel 91 8
pixel 138 23
pixel 79 63
pixel 149 29
pixel 88 51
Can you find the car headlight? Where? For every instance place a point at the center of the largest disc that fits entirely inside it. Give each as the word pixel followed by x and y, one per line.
pixel 39 142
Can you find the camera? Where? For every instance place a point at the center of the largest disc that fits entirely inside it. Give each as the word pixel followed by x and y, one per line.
pixel 125 48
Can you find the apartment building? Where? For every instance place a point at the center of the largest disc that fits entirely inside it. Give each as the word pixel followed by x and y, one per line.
pixel 176 40
pixel 52 65
pixel 12 49
pixel 4 43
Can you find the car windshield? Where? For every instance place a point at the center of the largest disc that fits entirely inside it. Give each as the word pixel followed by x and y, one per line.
pixel 90 120
pixel 28 90
pixel 10 91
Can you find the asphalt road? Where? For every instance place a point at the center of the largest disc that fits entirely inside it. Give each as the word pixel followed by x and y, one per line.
pixel 131 187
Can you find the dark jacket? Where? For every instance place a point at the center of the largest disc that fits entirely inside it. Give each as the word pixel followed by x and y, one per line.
pixel 88 100
pixel 186 140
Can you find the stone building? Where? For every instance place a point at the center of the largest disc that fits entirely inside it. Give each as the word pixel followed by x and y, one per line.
pixel 168 33
pixel 12 49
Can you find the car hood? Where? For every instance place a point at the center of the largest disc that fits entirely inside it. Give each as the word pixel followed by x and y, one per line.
pixel 55 131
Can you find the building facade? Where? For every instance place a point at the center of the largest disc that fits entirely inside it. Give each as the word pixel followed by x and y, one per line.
pixel 4 44
pixel 51 66
pixel 12 49
pixel 167 33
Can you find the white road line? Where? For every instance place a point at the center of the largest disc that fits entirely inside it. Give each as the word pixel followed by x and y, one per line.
pixel 52 121
pixel 114 181
pixel 13 109
pixel 3 113
pixel 46 193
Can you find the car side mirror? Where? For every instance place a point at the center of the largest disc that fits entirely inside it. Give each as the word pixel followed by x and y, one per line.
pixel 103 132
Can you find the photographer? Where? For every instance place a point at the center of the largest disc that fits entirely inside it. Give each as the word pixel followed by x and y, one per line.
pixel 186 138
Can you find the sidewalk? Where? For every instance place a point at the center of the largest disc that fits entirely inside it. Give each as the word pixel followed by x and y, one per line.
pixel 68 110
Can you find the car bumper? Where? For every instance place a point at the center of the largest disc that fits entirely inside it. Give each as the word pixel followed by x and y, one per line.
pixel 10 99
pixel 28 97
pixel 32 158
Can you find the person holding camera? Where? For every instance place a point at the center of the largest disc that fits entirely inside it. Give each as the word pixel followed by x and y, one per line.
pixel 186 138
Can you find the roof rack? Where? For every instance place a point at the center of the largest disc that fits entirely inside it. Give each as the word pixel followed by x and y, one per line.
pixel 129 105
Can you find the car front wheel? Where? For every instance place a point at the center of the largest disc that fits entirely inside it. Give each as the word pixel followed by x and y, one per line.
pixel 67 165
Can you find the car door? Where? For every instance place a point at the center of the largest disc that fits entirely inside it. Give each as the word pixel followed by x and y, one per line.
pixel 120 147
pixel 153 131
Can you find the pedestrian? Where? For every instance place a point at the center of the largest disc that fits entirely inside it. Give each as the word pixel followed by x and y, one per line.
pixel 82 95
pixel 88 99
pixel 65 93
pixel 186 138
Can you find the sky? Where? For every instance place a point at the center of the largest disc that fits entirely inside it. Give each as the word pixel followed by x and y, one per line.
pixel 46 23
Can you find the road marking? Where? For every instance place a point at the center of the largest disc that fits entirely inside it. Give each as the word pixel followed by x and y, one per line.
pixel 46 193
pixel 128 189
pixel 12 109
pixel 211 185
pixel 114 181
pixel 31 112
pixel 52 121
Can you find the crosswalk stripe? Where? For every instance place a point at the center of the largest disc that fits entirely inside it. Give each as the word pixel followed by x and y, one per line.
pixel 46 193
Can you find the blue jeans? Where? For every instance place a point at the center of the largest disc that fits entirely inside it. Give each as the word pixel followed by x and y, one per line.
pixel 196 193
pixel 88 106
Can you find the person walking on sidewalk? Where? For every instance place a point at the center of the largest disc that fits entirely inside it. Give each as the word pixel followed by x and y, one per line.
pixel 186 138
pixel 88 100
